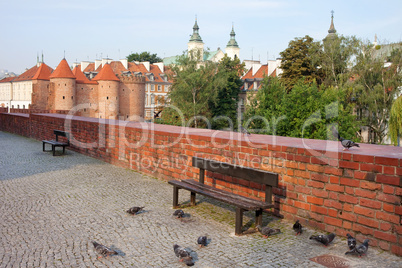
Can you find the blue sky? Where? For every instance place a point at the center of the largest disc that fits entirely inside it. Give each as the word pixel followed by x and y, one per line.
pixel 89 29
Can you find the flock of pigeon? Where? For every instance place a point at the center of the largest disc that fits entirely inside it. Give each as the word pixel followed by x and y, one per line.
pixel 180 252
pixel 185 256
pixel 326 239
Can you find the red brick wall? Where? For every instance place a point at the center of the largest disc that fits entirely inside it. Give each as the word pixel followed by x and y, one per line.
pixel 356 191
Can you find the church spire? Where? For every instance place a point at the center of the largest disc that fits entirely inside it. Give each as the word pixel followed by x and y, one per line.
pixel 332 27
pixel 232 42
pixel 196 36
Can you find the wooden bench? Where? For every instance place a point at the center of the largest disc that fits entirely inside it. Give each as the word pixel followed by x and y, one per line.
pixel 57 143
pixel 242 203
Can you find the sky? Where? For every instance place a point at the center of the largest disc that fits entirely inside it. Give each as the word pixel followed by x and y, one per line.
pixel 89 30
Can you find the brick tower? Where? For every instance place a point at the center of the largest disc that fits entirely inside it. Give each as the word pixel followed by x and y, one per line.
pixel 40 87
pixel 108 93
pixel 62 88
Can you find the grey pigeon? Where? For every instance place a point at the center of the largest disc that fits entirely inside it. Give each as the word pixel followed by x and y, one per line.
pixel 244 131
pixel 345 143
pixel 178 213
pixel 103 250
pixel 180 252
pixel 324 239
pixel 297 227
pixel 202 241
pixel 267 231
pixel 360 249
pixel 134 210
pixel 351 242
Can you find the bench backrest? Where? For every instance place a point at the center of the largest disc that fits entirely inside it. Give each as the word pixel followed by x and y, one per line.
pixel 258 176
pixel 62 134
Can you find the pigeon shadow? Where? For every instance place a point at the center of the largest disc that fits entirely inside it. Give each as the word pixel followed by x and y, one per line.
pixel 192 253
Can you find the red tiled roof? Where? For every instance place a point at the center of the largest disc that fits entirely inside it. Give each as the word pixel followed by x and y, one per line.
pixel 7 79
pixel 80 76
pixel 43 72
pixel 62 71
pixel 262 72
pixel 106 74
pixel 249 74
pixel 27 75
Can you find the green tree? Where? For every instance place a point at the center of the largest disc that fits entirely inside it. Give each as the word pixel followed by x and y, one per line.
pixel 336 59
pixel 144 56
pixel 192 90
pixel 375 88
pixel 395 121
pixel 298 62
pixel 228 83
pixel 304 112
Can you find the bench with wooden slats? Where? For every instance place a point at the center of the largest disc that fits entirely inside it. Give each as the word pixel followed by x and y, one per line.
pixel 242 203
pixel 57 143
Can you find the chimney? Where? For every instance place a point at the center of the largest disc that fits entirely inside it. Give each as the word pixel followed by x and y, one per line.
pixel 160 65
pixel 147 65
pixel 84 64
pixel 125 63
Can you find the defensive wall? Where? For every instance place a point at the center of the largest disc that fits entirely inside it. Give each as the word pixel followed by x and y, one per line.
pixel 356 191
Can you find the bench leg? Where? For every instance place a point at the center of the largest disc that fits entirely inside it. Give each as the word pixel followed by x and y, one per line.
pixel 44 146
pixel 175 196
pixel 64 149
pixel 192 199
pixel 258 217
pixel 54 150
pixel 239 221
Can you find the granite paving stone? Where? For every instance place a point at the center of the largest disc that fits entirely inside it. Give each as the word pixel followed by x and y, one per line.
pixel 53 207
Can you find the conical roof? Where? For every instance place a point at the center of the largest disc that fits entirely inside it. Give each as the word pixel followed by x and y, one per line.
pixel 43 72
pixel 106 74
pixel 62 71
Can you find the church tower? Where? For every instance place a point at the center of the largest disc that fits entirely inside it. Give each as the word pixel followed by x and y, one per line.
pixel 195 45
pixel 331 32
pixel 232 48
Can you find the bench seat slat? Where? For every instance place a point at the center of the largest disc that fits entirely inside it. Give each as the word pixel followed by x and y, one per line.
pixel 222 195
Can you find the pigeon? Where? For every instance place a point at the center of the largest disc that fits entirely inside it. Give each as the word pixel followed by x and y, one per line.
pixel 188 261
pixel 345 143
pixel 179 213
pixel 298 227
pixel 180 252
pixel 244 131
pixel 202 241
pixel 267 231
pixel 351 242
pixel 103 250
pixel 134 210
pixel 324 239
pixel 360 249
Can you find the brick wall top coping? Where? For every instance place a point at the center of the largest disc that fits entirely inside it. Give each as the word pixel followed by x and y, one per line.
pixel 254 140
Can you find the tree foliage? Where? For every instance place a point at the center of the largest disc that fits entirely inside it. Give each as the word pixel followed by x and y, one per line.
pixel 375 89
pixel 304 112
pixel 224 107
pixel 395 121
pixel 192 90
pixel 144 56
pixel 336 59
pixel 298 62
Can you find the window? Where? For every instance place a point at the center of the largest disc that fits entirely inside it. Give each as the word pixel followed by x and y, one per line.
pixel 152 87
pixel 159 88
pixel 167 88
pixel 64 97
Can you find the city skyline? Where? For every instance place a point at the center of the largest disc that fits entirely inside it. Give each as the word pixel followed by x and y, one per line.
pixel 81 31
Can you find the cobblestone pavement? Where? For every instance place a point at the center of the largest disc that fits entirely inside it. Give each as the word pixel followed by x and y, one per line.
pixel 52 207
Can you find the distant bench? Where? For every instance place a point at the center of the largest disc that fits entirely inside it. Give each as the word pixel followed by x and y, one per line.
pixel 242 203
pixel 57 143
